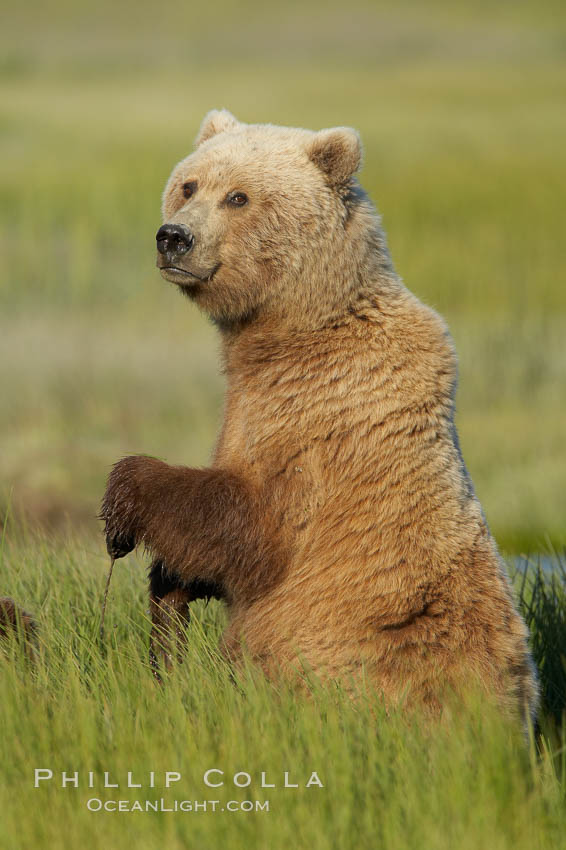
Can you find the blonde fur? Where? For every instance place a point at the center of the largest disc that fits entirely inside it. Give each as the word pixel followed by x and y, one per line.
pixel 339 425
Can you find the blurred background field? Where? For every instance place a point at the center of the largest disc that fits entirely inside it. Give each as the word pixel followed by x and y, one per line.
pixel 461 110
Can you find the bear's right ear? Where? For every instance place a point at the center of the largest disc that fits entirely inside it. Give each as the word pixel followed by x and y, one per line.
pixel 216 121
pixel 337 152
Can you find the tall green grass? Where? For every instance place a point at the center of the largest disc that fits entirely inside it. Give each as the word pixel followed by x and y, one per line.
pixel 389 780
pixel 542 601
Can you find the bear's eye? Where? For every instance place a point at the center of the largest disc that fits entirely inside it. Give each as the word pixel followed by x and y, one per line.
pixel 237 199
pixel 189 188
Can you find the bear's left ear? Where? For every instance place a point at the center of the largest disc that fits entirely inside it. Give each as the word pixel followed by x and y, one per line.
pixel 337 152
pixel 216 121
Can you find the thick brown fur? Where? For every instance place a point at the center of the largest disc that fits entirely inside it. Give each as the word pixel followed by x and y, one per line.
pixel 337 521
pixel 17 623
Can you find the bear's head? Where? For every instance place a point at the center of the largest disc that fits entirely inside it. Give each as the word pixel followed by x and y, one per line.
pixel 262 218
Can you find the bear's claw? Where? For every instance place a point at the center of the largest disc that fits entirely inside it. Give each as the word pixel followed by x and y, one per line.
pixel 119 545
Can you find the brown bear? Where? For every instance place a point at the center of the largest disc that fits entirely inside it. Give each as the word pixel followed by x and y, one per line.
pixel 17 623
pixel 337 519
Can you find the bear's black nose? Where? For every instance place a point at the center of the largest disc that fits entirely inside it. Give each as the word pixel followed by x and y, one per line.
pixel 174 239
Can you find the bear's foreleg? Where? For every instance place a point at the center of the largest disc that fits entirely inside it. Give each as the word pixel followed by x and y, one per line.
pixel 169 611
pixel 210 527
pixel 169 600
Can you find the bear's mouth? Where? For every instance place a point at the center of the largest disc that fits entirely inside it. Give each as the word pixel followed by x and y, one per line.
pixel 183 277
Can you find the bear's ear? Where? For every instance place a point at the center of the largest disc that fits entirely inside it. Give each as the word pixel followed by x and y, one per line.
pixel 337 152
pixel 216 121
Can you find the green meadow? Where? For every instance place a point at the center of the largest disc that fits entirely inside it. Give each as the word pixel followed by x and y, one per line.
pixel 389 780
pixel 461 111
